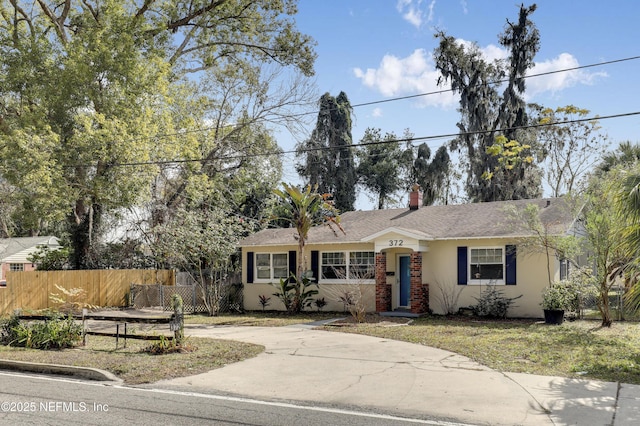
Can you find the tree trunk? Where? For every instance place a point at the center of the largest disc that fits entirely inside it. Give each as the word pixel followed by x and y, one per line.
pixel 84 229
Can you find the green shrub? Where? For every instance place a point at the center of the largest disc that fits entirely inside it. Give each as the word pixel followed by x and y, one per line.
pixel 296 293
pixel 54 333
pixel 165 345
pixel 493 303
pixel 7 329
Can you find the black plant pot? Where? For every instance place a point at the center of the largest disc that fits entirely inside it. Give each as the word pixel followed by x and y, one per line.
pixel 553 316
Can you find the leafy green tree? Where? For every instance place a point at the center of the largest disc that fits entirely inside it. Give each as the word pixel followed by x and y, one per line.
pixel 572 147
pixel 304 209
pixel 47 259
pixel 200 241
pixel 543 238
pixel 513 159
pixel 432 176
pixel 87 86
pixel 327 156
pixel 229 165
pixel 382 167
pixel 486 113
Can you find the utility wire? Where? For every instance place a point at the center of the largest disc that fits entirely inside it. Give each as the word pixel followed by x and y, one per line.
pixel 356 145
pixel 399 98
pixel 497 82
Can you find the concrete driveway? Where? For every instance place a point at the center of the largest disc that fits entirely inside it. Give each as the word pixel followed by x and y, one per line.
pixel 310 366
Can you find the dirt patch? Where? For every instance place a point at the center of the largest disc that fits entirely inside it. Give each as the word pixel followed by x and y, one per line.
pixel 372 319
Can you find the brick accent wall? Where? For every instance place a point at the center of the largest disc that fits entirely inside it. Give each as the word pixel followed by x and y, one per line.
pixel 419 291
pixel 383 290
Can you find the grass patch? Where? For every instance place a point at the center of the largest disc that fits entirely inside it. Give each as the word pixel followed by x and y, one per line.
pixel 573 349
pixel 135 366
pixel 263 319
pixel 579 349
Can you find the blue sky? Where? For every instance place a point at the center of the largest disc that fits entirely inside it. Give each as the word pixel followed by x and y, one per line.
pixel 381 49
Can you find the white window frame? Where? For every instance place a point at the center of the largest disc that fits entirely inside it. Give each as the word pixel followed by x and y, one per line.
pixel 486 281
pixel 347 258
pixel 564 269
pixel 16 267
pixel 271 267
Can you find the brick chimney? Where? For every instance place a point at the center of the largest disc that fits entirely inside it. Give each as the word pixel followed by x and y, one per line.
pixel 415 197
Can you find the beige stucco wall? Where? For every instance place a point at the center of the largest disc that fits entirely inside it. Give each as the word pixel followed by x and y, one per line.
pixel 331 292
pixel 439 271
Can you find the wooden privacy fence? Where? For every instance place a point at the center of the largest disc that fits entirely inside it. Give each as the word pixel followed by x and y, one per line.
pixel 104 288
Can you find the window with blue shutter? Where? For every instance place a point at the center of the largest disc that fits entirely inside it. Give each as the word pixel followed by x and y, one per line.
pixel 462 266
pixel 510 264
pixel 293 265
pixel 250 267
pixel 315 264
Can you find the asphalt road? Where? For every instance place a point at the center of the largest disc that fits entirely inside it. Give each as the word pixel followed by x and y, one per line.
pixel 44 400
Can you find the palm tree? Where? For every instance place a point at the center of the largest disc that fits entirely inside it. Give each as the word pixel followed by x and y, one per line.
pixel 628 203
pixel 626 154
pixel 304 209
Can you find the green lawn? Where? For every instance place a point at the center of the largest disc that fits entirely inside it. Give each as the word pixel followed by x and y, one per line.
pixel 579 349
pixel 574 349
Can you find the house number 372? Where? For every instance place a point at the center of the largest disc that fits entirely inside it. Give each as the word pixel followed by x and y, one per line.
pixel 395 243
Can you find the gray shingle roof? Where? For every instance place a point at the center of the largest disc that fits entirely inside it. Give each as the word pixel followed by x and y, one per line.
pixel 11 246
pixel 477 220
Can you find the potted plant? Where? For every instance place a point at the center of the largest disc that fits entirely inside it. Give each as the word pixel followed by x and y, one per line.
pixel 557 298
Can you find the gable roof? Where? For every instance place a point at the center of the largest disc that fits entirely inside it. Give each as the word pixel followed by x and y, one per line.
pixel 10 248
pixel 463 221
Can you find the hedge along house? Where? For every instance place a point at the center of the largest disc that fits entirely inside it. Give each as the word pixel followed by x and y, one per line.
pixel 417 259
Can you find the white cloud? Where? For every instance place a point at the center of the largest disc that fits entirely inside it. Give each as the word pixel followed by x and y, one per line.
pixel 405 76
pixel 465 9
pixel 490 53
pixel 377 112
pixel 412 12
pixel 432 6
pixel 561 80
pixel 416 73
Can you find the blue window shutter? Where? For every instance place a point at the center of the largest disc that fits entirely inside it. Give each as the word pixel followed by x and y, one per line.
pixel 293 265
pixel 462 266
pixel 315 265
pixel 250 267
pixel 510 264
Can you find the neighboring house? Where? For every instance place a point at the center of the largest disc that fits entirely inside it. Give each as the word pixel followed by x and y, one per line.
pixel 15 251
pixel 418 259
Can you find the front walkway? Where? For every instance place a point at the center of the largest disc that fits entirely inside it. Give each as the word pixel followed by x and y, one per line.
pixel 308 366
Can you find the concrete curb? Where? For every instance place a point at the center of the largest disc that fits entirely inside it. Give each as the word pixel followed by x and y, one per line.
pixel 57 369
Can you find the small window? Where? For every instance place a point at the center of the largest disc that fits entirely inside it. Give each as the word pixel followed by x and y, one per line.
pixel 334 266
pixel 354 265
pixel 486 264
pixel 272 266
pixel 564 269
pixel 362 265
pixel 16 267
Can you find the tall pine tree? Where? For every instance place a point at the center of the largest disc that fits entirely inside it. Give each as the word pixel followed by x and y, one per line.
pixel 327 156
pixel 487 113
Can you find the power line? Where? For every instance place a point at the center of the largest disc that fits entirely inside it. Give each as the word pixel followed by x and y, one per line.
pixel 398 98
pixel 356 145
pixel 497 82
